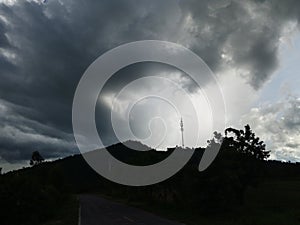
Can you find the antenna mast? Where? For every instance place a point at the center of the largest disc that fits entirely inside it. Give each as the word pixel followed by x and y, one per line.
pixel 181 129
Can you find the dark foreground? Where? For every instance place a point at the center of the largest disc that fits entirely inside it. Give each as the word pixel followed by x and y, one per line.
pixel 235 190
pixel 95 210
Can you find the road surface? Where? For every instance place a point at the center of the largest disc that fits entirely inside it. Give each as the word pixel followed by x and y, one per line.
pixel 95 210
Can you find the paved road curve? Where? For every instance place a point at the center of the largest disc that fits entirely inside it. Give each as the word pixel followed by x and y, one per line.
pixel 95 210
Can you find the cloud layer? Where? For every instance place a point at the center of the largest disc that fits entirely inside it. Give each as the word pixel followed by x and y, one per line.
pixel 45 48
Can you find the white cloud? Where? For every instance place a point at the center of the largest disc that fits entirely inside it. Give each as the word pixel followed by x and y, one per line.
pixel 278 124
pixel 239 96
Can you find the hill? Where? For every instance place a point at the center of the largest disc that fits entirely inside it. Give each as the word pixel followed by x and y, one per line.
pixel 235 184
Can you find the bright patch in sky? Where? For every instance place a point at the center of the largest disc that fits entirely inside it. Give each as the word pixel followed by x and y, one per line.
pixel 286 79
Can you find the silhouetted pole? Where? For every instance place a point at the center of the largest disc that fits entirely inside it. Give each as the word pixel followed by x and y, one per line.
pixel 181 129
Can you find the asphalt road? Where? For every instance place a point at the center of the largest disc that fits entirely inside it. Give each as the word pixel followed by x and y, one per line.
pixel 95 210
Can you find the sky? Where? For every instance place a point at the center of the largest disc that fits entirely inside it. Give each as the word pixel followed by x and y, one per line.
pixel 252 47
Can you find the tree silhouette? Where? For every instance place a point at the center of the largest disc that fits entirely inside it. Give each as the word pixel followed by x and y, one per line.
pixel 36 158
pixel 235 168
pixel 245 141
pixel 216 141
pixel 0 170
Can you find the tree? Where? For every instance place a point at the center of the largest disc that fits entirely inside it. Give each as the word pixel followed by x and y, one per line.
pixel 236 167
pixel 0 170
pixel 216 141
pixel 245 141
pixel 36 158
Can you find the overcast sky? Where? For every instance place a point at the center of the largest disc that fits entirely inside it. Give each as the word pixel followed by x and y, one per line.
pixel 253 48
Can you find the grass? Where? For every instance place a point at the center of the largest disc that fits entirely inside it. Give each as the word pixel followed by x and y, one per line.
pixel 67 214
pixel 275 202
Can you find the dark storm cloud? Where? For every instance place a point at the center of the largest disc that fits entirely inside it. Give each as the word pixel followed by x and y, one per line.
pixel 3 39
pixel 246 32
pixel 45 48
pixel 19 136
